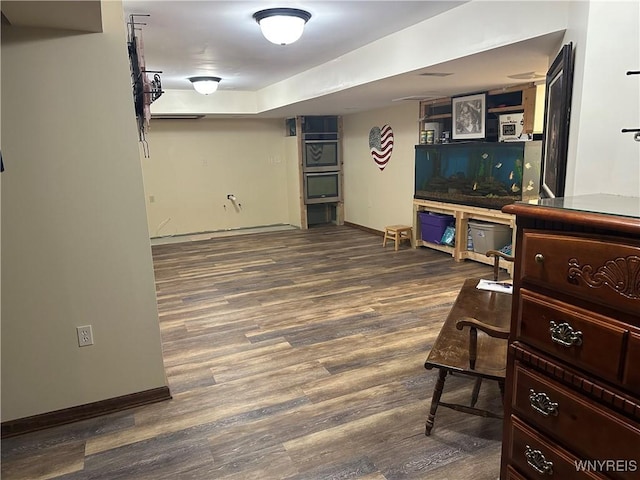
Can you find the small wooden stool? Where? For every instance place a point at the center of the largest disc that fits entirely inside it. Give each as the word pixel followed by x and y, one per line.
pixel 397 233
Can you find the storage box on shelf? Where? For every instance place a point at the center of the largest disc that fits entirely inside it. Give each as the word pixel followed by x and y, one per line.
pixel 490 236
pixel 461 215
pixel 433 225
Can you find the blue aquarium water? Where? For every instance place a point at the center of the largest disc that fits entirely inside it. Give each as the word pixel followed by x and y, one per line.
pixel 483 174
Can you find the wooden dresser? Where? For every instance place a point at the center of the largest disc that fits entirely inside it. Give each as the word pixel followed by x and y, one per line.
pixel 572 397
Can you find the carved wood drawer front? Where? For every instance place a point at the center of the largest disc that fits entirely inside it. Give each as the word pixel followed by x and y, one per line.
pixel 538 456
pixel 601 271
pixel 573 419
pixel 512 474
pixel 575 335
pixel 631 376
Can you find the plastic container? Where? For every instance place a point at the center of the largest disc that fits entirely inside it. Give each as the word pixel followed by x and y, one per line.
pixel 433 225
pixel 489 236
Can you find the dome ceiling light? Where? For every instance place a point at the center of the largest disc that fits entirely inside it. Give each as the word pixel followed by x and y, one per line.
pixel 282 26
pixel 205 85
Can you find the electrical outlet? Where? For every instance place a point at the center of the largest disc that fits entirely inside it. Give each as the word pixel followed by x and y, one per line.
pixel 85 336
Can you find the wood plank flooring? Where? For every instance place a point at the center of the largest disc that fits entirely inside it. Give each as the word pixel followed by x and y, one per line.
pixel 290 355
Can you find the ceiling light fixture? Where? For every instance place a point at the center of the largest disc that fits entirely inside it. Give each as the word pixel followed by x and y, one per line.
pixel 282 26
pixel 527 76
pixel 205 85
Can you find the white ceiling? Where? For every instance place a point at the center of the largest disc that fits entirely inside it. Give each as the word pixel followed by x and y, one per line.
pixel 184 38
pixel 221 38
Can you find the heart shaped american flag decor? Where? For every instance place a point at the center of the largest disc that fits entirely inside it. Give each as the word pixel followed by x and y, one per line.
pixel 381 145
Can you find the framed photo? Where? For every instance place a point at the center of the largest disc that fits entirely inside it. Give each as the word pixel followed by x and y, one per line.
pixel 469 114
pixel 557 112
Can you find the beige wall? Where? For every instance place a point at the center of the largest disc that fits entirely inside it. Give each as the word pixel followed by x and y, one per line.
pixel 195 164
pixel 75 247
pixel 375 198
pixel 294 185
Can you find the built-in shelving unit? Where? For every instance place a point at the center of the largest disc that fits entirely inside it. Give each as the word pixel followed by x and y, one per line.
pixel 513 99
pixel 462 214
pixel 320 159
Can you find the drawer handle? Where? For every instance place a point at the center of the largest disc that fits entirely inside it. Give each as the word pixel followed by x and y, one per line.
pixel 538 461
pixel 542 404
pixel 564 334
pixel 539 258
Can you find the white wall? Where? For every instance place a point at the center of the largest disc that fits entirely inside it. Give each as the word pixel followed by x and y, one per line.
pixel 75 247
pixel 606 36
pixel 375 198
pixel 195 164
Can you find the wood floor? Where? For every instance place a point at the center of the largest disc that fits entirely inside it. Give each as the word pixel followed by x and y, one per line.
pixel 290 355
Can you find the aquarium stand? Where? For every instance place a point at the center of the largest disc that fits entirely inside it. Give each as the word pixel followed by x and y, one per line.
pixel 461 214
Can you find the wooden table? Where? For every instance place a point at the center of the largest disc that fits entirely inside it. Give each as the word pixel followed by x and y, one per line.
pixel 450 352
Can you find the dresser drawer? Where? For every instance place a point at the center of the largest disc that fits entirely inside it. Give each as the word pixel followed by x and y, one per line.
pixel 595 269
pixel 578 423
pixel 631 376
pixel 539 457
pixel 577 336
pixel 512 474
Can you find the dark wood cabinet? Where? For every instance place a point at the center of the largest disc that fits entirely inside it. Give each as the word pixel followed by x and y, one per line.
pixel 572 406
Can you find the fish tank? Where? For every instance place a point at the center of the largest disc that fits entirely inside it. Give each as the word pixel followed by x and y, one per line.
pixel 481 174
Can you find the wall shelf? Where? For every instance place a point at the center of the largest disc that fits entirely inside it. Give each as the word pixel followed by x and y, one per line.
pixel 511 108
pixel 512 99
pixel 437 117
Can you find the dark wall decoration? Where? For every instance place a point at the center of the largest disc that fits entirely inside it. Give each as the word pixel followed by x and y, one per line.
pixel 145 90
pixel 557 113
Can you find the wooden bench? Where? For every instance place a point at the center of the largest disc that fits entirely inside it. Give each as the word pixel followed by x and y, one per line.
pixel 460 348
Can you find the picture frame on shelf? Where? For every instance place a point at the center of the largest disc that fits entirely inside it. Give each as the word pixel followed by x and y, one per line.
pixel 557 112
pixel 469 117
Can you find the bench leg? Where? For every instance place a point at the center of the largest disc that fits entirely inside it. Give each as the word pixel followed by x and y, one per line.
pixel 384 240
pixel 476 391
pixel 437 393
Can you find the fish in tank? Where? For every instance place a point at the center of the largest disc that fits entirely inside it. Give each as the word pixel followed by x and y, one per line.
pixel 482 174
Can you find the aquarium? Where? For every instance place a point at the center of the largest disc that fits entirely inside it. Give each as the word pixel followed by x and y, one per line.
pixel 482 174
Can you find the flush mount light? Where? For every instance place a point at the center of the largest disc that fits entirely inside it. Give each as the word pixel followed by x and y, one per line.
pixel 527 76
pixel 282 25
pixel 205 85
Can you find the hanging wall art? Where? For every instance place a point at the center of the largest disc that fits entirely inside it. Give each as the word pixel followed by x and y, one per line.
pixel 381 145
pixel 145 90
pixel 557 112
